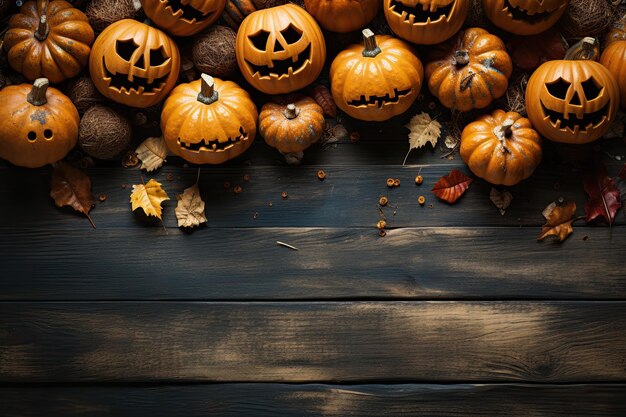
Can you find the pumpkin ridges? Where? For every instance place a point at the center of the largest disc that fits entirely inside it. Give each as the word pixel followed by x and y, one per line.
pixel 614 59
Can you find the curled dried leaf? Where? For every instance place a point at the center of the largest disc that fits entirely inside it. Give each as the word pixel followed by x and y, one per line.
pixel 152 153
pixel 72 187
pixel 559 220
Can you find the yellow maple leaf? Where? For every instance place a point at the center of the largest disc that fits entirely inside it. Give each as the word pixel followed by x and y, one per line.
pixel 190 208
pixel 423 130
pixel 148 197
pixel 152 153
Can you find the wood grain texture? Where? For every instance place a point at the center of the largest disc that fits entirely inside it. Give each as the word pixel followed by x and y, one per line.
pixel 308 400
pixel 246 264
pixel 313 342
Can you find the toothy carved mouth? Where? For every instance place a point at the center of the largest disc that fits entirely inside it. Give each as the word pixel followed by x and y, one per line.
pixel 417 15
pixel 517 13
pixel 575 124
pixel 189 13
pixel 282 67
pixel 214 145
pixel 139 85
pixel 379 101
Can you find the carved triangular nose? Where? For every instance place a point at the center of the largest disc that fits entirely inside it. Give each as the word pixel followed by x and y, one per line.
pixel 575 101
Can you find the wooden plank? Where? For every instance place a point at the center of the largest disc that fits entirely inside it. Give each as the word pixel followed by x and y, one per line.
pixel 308 400
pixel 313 342
pixel 246 264
pixel 347 198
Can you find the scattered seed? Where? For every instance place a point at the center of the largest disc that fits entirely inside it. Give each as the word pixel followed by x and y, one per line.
pixel 381 224
pixel 396 182
pixel 130 160
pixel 237 189
pixel 383 201
pixel 321 174
pixel 585 237
pixel 390 182
pixel 284 194
pixel 170 177
pixel 226 184
pixel 270 204
pixel 382 233
pixel 419 180
pixel 421 199
pixel 355 136
pixel 102 197
pixel 246 177
pixel 255 215
pixel 432 105
pixel 431 206
pixel 123 186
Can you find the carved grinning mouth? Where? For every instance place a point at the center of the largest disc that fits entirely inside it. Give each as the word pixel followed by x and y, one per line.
pixel 573 123
pixel 214 145
pixel 140 85
pixel 283 67
pixel 189 13
pixel 418 14
pixel 380 100
pixel 517 13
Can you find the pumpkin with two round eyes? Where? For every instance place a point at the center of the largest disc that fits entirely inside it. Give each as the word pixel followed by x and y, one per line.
pixel 291 127
pixel 377 81
pixel 425 22
pixel 183 18
pixel 342 16
pixel 39 124
pixel 280 49
pixel 524 17
pixel 573 100
pixel 48 39
pixel 134 64
pixel 469 71
pixel 208 121
pixel 501 147
pixel 614 59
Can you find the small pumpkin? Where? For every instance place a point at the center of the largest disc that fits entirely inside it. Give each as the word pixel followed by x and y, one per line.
pixel 574 100
pixel 208 121
pixel 614 59
pixel 39 124
pixel 180 18
pixel 524 17
pixel 501 147
pixel 342 16
pixel 48 39
pixel 280 49
pixel 377 81
pixel 291 127
pixel 469 71
pixel 425 22
pixel 134 64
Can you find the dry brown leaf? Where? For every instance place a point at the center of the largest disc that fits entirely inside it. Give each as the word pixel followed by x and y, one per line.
pixel 451 142
pixel 152 153
pixel 190 208
pixel 559 220
pixel 72 187
pixel 502 200
pixel 148 197
pixel 423 130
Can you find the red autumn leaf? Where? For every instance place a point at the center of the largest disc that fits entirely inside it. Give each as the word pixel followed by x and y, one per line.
pixel 529 52
pixel 603 197
pixel 71 187
pixel 322 95
pixel 451 187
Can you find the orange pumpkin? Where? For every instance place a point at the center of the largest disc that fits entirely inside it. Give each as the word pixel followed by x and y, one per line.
pixel 134 64
pixel 183 19
pixel 280 49
pixel 617 32
pixel 342 15
pixel 208 121
pixel 378 81
pixel 614 59
pixel 292 127
pixel 39 124
pixel 502 148
pixel 524 17
pixel 469 71
pixel 425 22
pixel 48 39
pixel 574 100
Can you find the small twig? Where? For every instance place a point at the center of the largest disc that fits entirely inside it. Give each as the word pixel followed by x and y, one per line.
pixel 198 177
pixel 279 243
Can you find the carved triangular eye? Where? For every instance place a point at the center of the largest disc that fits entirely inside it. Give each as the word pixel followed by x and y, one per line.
pixel 591 89
pixel 259 39
pixel 157 57
pixel 125 49
pixel 558 89
pixel 292 34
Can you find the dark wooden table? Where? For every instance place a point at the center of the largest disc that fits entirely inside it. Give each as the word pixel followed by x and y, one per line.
pixel 457 311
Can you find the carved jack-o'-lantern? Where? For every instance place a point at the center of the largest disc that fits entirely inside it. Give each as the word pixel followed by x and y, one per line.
pixel 524 17
pixel 183 18
pixel 134 64
pixel 280 49
pixel 573 100
pixel 425 22
pixel 377 82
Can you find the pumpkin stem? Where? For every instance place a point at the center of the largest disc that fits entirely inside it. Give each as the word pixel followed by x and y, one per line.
pixel 37 95
pixel 503 133
pixel 371 47
pixel 207 94
pixel 460 58
pixel 587 49
pixel 43 29
pixel 291 112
